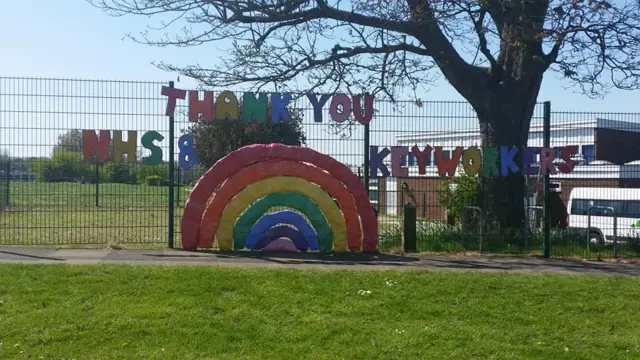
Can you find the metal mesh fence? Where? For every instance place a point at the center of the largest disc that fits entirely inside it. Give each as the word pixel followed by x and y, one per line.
pixel 53 197
pixel 602 194
pixel 56 197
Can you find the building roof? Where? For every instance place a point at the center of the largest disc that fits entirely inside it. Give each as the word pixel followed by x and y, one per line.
pixel 534 128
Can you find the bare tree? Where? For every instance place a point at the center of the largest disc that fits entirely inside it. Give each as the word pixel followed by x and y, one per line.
pixel 493 52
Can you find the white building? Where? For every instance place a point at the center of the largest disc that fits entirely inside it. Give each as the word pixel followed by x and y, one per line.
pixel 615 137
pixel 567 133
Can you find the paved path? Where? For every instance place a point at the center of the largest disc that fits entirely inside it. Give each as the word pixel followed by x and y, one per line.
pixel 495 263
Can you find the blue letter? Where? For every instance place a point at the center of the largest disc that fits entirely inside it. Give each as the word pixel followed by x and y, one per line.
pixel 279 107
pixel 506 160
pixel 317 105
pixel 375 161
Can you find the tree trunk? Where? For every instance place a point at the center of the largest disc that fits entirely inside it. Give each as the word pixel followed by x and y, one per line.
pixel 505 122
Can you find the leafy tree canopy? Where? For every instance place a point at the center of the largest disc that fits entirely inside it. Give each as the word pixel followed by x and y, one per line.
pixel 214 140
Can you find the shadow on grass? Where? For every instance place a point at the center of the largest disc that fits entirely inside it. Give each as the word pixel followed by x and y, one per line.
pixel 307 258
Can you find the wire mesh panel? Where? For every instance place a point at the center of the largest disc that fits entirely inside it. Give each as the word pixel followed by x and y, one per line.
pixel 87 162
pixel 450 205
pixel 62 192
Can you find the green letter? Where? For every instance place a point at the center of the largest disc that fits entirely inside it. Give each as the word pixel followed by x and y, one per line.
pixel 156 153
pixel 490 158
pixel 255 107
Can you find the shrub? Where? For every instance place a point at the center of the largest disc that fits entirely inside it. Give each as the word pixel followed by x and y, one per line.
pixel 463 192
pixel 145 171
pixel 155 180
pixel 63 166
pixel 119 172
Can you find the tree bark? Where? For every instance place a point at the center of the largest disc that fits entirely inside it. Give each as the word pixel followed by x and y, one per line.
pixel 505 121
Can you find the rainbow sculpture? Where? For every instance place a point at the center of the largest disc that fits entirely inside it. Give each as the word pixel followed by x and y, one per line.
pixel 230 203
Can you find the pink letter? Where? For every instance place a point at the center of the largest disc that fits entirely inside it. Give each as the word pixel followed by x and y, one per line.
pixel 173 94
pixel 340 116
pixel 546 161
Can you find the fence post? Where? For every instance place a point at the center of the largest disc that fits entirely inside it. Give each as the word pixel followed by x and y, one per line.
pixel 7 170
pixel 171 174
pixel 366 158
pixel 409 228
pixel 546 210
pixel 97 184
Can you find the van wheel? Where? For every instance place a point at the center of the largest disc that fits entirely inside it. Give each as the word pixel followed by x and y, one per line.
pixel 595 238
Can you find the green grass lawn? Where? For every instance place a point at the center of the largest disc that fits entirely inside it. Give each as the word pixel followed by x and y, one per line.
pixel 127 312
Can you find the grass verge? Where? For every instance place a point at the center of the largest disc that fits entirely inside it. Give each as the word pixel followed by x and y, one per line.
pixel 128 312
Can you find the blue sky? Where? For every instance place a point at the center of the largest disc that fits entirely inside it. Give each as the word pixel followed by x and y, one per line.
pixel 72 39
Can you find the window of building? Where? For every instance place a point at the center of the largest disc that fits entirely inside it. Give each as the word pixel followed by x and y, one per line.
pixel 412 159
pixel 446 154
pixel 632 209
pixel 558 151
pixel 403 160
pixel 589 153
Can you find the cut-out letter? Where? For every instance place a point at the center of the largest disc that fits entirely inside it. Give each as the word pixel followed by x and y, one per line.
pixel 471 161
pixel 172 94
pixel 279 107
pixel 227 105
pixel 91 144
pixel 506 160
pixel 197 107
pixel 528 158
pixel 448 166
pixel 422 157
pixel 187 157
pixel 340 115
pixel 128 147
pixel 489 159
pixel 376 161
pixel 368 109
pixel 256 108
pixel 317 105
pixel 397 152
pixel 156 152
pixel 566 154
pixel 547 155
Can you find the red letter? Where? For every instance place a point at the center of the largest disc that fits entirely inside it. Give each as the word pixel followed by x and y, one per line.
pixel 546 161
pixel 368 109
pixel 204 107
pixel 91 144
pixel 421 156
pixel 566 154
pixel 173 94
pixel 448 166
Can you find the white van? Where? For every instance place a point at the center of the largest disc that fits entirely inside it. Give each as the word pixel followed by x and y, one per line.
pixel 625 202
